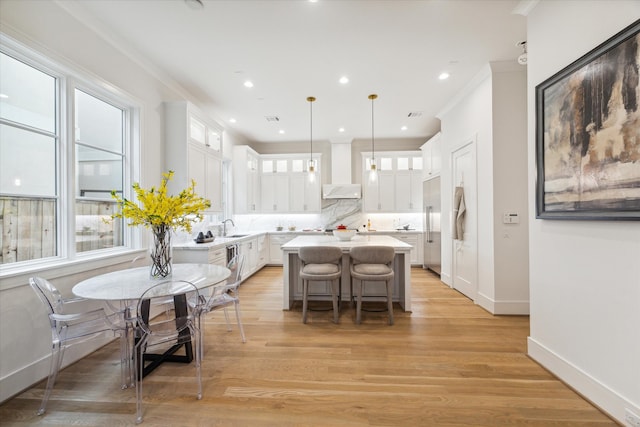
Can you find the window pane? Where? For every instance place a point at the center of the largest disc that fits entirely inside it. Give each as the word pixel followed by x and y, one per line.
pixel 98 172
pixel 92 231
pixel 196 130
pixel 417 163
pixel 386 164
pixel 27 95
pixel 297 165
pixel 267 166
pixel 98 123
pixel 281 166
pixel 403 163
pixel 27 163
pixel 32 224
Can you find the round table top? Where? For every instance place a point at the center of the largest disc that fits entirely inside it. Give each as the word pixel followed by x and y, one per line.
pixel 131 283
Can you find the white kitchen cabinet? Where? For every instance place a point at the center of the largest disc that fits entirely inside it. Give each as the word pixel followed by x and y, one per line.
pixel 209 254
pixel 398 187
pixel 275 242
pixel 432 157
pixel 249 248
pixel 194 151
pixel 304 195
pixel 246 180
pixel 275 192
pixel 262 243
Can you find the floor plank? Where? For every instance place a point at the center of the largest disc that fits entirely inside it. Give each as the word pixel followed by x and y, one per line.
pixel 448 363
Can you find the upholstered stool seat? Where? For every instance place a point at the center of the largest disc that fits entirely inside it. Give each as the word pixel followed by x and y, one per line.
pixel 320 263
pixel 372 264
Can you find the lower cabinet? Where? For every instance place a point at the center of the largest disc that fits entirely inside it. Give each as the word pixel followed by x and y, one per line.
pixel 213 255
pixel 275 242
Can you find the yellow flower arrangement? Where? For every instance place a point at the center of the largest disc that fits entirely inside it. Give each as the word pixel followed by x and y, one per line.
pixel 161 210
pixel 162 213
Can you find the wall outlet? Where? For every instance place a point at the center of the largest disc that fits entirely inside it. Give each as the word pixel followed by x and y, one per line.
pixel 631 419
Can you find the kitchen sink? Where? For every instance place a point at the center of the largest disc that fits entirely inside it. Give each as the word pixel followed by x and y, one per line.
pixel 237 235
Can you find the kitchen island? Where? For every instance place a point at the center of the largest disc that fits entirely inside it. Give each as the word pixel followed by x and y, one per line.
pixel 292 286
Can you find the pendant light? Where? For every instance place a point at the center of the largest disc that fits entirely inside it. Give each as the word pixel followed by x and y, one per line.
pixel 311 167
pixel 373 171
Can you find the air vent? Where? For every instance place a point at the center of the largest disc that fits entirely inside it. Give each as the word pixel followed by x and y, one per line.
pixel 272 118
pixel 414 114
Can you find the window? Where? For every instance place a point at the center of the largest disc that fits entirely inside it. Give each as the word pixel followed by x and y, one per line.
pixel 57 172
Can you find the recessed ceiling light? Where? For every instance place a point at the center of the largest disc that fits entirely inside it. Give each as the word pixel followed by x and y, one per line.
pixel 232 120
pixel 403 128
pixel 313 1
pixel 341 130
pixel 248 83
pixel 3 95
pixel 344 80
pixel 281 132
pixel 443 76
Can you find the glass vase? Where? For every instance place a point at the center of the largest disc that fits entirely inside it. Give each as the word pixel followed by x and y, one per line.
pixel 160 252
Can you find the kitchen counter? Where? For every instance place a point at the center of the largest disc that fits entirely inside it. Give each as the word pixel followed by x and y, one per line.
pixel 292 285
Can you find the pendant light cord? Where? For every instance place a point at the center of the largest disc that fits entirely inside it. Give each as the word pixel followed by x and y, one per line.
pixel 311 99
pixel 372 97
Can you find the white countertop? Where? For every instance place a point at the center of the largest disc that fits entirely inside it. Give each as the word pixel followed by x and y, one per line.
pixel 325 240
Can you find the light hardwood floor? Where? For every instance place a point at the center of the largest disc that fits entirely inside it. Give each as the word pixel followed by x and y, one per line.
pixel 449 363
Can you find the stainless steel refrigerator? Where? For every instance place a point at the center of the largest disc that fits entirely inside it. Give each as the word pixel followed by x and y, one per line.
pixel 431 225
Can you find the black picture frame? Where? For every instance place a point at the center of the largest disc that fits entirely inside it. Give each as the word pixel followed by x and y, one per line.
pixel 588 135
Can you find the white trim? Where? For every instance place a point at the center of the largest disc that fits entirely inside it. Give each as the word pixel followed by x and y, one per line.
pixel 505 307
pixel 590 388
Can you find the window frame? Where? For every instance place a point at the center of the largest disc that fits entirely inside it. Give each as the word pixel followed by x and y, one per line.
pixel 68 79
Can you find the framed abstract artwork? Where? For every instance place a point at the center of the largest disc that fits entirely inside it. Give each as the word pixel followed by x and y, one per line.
pixel 588 135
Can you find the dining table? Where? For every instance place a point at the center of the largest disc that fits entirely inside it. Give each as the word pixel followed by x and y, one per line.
pixel 126 287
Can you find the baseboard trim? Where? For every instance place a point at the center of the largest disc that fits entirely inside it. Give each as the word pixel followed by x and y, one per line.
pixel 606 399
pixel 502 307
pixel 31 374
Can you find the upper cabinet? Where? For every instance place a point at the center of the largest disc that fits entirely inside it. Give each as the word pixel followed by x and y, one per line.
pixel 274 183
pixel 398 186
pixel 432 157
pixel 194 151
pixel 246 180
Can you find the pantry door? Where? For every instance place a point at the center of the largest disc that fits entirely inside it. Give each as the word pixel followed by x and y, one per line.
pixel 465 248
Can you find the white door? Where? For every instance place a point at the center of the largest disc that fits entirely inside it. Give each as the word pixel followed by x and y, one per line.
pixel 465 250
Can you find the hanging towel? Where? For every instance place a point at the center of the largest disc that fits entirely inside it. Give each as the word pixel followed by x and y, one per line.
pixel 459 210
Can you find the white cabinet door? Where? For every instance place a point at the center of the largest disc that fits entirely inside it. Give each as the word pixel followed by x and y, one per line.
pixel 246 180
pixel 275 192
pixel 432 157
pixel 304 195
pixel 275 242
pixel 213 177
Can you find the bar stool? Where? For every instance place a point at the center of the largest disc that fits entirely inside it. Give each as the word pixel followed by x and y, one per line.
pixel 320 263
pixel 372 264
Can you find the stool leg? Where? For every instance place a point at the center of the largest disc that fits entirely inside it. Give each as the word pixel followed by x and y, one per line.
pixel 390 301
pixel 334 294
pixel 305 294
pixel 359 301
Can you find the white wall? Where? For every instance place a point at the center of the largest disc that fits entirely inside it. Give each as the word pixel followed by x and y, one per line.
pixel 492 111
pixel 584 275
pixel 24 333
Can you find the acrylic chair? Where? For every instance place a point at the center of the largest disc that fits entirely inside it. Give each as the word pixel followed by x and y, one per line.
pixel 68 327
pixel 178 326
pixel 320 263
pixel 223 297
pixel 372 264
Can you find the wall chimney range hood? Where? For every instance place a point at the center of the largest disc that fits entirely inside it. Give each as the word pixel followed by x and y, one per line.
pixel 341 191
pixel 341 186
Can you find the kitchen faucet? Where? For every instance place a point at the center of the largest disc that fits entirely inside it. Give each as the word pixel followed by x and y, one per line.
pixel 224 226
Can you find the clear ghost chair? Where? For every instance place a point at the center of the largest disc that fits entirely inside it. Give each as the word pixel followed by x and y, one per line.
pixel 224 296
pixel 177 326
pixel 68 327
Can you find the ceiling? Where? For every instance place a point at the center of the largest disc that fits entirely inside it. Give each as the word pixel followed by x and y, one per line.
pixel 292 49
